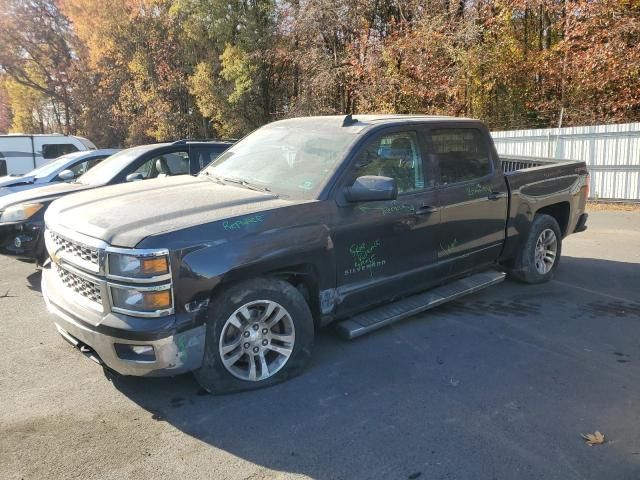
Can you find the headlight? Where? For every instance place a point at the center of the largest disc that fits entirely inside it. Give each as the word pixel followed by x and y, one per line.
pixel 138 266
pixel 22 211
pixel 130 299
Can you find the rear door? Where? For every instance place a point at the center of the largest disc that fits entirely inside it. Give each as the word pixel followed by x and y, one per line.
pixel 473 198
pixel 386 249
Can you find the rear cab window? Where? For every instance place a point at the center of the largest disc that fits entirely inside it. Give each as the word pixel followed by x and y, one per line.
pixel 461 154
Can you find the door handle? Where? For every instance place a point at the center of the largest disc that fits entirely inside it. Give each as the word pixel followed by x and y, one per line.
pixel 496 195
pixel 426 210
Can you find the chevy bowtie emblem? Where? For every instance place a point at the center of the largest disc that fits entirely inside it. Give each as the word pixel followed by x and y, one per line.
pixel 55 258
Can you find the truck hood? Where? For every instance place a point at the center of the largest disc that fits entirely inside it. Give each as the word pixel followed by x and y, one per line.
pixel 39 194
pixel 124 215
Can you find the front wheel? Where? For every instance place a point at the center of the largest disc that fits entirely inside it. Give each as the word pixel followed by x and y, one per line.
pixel 540 253
pixel 259 332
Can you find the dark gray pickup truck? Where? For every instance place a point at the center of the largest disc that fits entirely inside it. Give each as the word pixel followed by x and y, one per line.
pixel 357 221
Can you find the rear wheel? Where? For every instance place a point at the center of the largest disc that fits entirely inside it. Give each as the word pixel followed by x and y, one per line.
pixel 259 332
pixel 539 255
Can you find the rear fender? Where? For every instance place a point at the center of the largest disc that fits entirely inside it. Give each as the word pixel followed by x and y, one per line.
pixel 553 190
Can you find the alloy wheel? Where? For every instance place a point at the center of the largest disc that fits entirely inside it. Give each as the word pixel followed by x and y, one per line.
pixel 546 251
pixel 257 340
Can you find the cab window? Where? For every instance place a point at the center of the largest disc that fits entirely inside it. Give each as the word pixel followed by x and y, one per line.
pixel 461 154
pixel 396 155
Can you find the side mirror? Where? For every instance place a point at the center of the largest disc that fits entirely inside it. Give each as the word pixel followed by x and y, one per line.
pixel 371 188
pixel 66 175
pixel 135 177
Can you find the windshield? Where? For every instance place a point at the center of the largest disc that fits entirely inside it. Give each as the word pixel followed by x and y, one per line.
pixel 106 170
pixel 292 159
pixel 52 166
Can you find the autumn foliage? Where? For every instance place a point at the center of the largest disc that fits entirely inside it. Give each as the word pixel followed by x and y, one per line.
pixel 130 71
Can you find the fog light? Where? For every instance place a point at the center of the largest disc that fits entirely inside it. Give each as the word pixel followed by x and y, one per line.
pixel 20 240
pixel 142 349
pixel 142 353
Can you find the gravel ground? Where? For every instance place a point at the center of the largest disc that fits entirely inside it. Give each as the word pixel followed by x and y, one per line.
pixel 499 385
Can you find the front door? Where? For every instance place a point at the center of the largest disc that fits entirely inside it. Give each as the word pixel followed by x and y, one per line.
pixel 473 197
pixel 385 249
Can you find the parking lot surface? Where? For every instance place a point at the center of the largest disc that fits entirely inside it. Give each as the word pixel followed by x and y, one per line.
pixel 498 385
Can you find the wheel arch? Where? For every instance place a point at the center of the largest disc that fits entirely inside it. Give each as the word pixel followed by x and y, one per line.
pixel 560 212
pixel 304 276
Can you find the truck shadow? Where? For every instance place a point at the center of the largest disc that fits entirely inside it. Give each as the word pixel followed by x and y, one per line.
pixel 305 425
pixel 33 281
pixel 406 402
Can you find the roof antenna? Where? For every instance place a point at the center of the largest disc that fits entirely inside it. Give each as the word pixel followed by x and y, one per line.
pixel 348 120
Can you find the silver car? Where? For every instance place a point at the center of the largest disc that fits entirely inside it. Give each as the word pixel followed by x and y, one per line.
pixel 63 169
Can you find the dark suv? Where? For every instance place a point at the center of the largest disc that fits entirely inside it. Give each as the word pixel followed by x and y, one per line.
pixel 22 213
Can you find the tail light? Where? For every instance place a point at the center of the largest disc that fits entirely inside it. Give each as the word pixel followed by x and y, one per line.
pixel 587 186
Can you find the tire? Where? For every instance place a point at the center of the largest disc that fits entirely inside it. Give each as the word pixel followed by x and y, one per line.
pixel 527 266
pixel 232 316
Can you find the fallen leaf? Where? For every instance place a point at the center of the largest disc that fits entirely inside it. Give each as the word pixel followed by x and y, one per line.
pixel 596 438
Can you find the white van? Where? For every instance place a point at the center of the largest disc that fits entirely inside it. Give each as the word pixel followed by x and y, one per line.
pixel 22 153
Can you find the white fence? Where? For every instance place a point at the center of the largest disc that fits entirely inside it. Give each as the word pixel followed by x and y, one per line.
pixel 612 154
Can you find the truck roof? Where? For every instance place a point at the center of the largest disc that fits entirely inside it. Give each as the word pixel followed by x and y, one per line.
pixel 362 122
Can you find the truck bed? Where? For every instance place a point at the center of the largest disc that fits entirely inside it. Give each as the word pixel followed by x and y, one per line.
pixel 512 163
pixel 543 185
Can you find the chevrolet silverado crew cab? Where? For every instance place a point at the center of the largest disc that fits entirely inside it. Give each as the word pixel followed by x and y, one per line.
pixel 358 221
pixel 22 213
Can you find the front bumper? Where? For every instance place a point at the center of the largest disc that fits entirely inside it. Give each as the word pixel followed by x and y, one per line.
pixel 104 339
pixel 24 241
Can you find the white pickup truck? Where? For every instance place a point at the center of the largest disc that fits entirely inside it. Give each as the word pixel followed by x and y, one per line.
pixel 21 153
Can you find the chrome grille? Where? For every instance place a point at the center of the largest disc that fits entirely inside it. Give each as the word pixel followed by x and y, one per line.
pixel 79 285
pixel 75 252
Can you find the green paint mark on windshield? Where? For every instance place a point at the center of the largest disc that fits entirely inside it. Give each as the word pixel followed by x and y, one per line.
pixel 308 185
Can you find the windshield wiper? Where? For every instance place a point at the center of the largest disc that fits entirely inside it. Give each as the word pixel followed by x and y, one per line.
pixel 246 184
pixel 215 178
